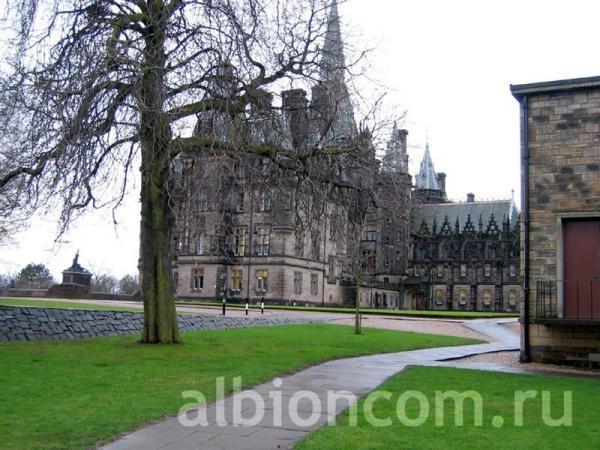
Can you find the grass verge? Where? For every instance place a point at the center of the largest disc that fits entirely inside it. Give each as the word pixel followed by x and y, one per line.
pixel 63 305
pixel 497 391
pixel 383 312
pixel 75 394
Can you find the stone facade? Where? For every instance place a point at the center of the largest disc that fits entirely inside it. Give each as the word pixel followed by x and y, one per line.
pixel 28 324
pixel 561 176
pixel 248 230
pixel 463 258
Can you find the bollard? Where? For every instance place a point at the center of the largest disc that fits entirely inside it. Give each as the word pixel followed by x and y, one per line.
pixel 224 305
pixel 246 308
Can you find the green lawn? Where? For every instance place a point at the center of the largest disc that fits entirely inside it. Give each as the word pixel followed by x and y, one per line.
pixel 73 394
pixel 63 305
pixel 497 391
pixel 386 312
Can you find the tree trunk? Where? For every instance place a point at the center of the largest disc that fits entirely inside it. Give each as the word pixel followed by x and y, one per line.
pixel 160 317
pixel 357 318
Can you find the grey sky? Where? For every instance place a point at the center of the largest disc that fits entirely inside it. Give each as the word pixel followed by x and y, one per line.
pixel 448 63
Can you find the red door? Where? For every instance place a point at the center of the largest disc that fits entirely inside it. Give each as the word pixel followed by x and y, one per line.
pixel 581 269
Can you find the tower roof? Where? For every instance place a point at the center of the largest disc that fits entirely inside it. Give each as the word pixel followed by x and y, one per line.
pixel 427 177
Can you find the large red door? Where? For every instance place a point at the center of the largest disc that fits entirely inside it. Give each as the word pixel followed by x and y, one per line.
pixel 581 269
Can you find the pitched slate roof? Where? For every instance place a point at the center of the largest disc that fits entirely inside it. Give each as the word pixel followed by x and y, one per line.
pixel 501 209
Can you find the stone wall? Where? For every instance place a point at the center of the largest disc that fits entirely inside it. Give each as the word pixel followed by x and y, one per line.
pixel 28 324
pixel 564 170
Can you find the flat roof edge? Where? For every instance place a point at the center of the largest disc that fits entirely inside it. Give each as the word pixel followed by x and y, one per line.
pixel 520 90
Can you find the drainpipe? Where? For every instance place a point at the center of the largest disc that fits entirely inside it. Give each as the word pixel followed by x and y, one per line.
pixel 525 356
pixel 324 261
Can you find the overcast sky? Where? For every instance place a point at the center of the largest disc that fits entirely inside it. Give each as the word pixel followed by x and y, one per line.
pixel 449 64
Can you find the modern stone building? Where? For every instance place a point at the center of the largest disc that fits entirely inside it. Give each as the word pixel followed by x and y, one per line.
pixel 560 149
pixel 248 232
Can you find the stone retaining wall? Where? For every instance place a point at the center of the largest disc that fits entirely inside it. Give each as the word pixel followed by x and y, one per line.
pixel 28 324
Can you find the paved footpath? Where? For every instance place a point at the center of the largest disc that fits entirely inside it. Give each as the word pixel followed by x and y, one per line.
pixel 354 376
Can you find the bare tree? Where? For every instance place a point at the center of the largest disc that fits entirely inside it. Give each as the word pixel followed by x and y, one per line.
pixel 105 283
pixel 6 281
pixel 129 285
pixel 94 88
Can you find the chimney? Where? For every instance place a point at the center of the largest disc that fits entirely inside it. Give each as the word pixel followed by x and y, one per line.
pixel 441 179
pixel 402 136
pixel 295 105
pixel 470 198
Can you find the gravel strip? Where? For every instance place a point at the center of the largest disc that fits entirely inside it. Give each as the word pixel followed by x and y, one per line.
pixel 511 359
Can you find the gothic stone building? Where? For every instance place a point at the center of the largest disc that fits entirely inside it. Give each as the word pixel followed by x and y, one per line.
pixel 241 232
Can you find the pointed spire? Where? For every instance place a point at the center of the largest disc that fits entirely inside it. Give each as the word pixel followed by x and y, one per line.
pixel 427 177
pixel 331 98
pixel 333 62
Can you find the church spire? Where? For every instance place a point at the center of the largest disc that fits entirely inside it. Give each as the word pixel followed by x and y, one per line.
pixel 427 177
pixel 333 62
pixel 331 98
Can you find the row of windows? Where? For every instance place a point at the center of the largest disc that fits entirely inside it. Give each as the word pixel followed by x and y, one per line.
pixel 240 201
pixel 371 236
pixel 261 278
pixel 463 296
pixel 440 270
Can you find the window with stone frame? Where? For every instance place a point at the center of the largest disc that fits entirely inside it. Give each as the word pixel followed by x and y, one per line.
pixel 487 297
pixel 262 278
pixel 287 201
pixel 197 278
pixel 398 256
pixel 202 201
pixel 265 167
pixel 512 297
pixel 239 201
pixel 386 261
pixel 263 240
pixel 264 201
pixel 237 280
pixel 200 245
pixel 513 270
pixel 314 284
pixel 299 243
pixel 487 270
pixel 316 246
pixel 297 283
pixel 463 270
pixel 331 267
pixel 440 270
pixel 239 241
pixel 371 235
pixel 462 297
pixel 439 296
pixel 417 271
pixel 399 234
